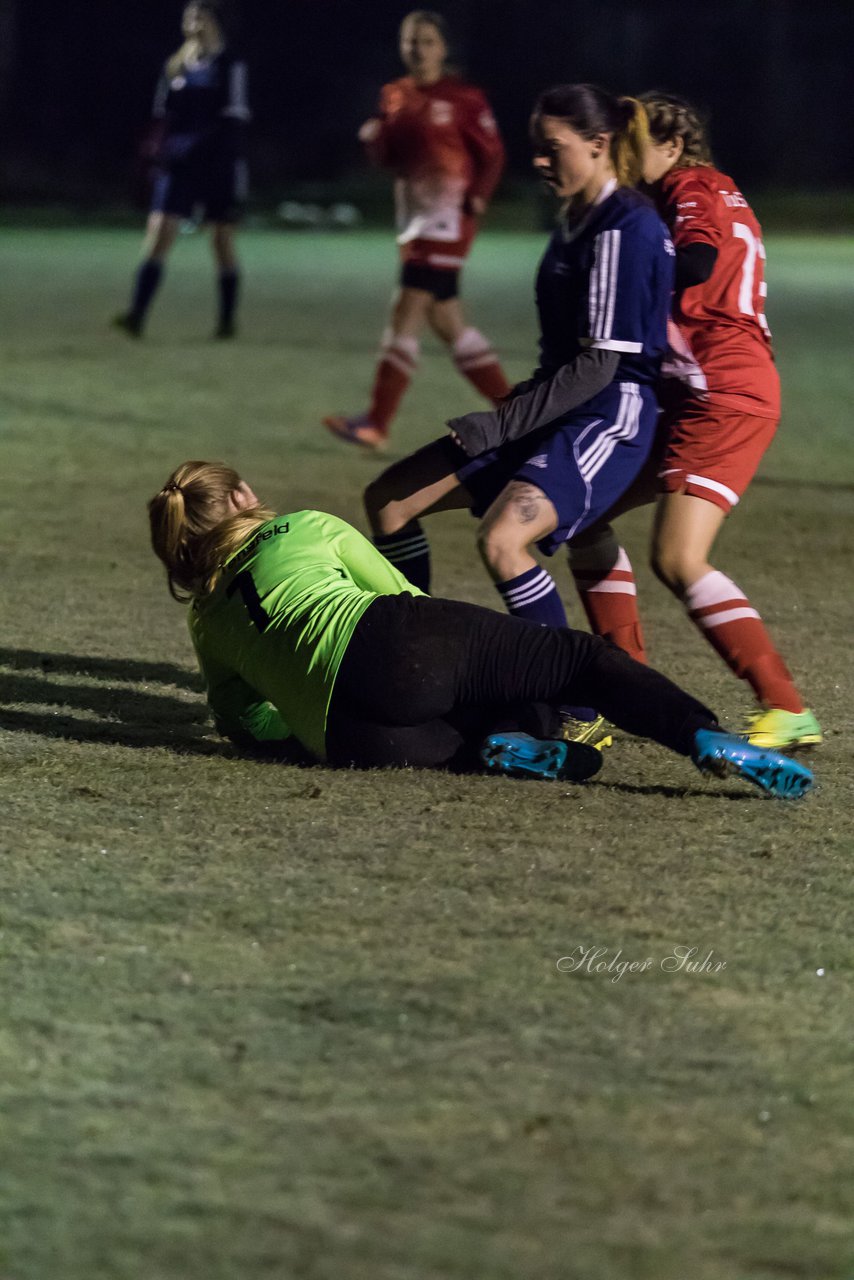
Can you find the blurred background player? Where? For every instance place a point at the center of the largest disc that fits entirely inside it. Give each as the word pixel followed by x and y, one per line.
pixel 438 136
pixel 721 397
pixel 556 455
pixel 202 107
pixel 306 634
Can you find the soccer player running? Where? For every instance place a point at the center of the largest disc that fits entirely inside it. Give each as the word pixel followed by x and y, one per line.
pixel 554 457
pixel 307 636
pixel 439 137
pixel 202 110
pixel 721 408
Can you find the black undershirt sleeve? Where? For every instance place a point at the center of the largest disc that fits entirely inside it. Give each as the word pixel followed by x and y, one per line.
pixel 694 264
pixel 538 404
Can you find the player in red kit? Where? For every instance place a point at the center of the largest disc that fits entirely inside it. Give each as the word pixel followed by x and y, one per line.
pixel 721 402
pixel 438 136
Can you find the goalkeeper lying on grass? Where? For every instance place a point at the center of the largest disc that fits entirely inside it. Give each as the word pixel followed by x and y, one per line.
pixel 305 634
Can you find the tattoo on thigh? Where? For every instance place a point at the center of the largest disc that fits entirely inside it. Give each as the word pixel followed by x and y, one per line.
pixel 526 499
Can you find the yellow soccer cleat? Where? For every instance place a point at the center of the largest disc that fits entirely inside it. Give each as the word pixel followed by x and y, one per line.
pixel 592 732
pixel 778 730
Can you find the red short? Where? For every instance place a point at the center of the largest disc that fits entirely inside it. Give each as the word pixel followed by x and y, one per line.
pixel 444 255
pixel 711 451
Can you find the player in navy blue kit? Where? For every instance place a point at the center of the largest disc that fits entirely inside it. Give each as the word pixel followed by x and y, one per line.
pixel 201 104
pixel 566 444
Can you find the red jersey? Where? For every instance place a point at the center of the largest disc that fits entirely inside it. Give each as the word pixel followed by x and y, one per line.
pixel 443 145
pixel 722 320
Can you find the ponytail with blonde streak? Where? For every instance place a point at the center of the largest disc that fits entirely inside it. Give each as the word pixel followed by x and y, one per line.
pixel 591 111
pixel 628 143
pixel 194 529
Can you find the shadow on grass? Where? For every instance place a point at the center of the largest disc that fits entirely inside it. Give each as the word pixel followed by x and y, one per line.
pixel 669 792
pixel 129 717
pixel 126 669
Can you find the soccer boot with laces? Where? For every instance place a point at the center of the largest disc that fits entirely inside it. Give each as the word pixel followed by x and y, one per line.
pixel 728 754
pixel 783 730
pixel 521 756
pixel 592 732
pixel 357 430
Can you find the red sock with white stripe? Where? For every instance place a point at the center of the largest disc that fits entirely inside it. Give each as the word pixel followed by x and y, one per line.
pixel 477 361
pixel 605 582
pixel 736 631
pixel 397 363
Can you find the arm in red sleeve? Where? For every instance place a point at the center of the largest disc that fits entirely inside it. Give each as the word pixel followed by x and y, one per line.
pixel 483 140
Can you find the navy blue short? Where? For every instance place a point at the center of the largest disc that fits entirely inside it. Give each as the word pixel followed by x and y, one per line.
pixel 582 466
pixel 215 192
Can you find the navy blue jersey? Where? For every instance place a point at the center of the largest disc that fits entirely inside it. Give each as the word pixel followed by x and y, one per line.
pixel 607 283
pixel 203 106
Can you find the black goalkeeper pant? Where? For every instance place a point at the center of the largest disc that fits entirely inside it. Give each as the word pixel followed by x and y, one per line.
pixel 423 681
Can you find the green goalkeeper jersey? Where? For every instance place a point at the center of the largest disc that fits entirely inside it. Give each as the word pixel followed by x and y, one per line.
pixel 271 635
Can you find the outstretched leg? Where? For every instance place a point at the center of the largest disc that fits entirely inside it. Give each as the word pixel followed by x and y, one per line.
pixel 413 660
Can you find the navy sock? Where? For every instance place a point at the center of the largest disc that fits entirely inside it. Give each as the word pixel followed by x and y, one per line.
pixel 229 286
pixel 533 595
pixel 146 282
pixel 409 552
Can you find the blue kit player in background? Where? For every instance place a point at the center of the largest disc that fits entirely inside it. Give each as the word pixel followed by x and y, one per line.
pixel 552 458
pixel 202 107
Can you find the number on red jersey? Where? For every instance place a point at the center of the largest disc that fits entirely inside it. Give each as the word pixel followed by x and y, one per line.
pixel 753 289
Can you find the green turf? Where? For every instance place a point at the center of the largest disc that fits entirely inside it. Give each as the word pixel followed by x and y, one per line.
pixel 269 1022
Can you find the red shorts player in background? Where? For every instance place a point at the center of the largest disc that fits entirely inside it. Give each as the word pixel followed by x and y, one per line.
pixel 721 406
pixel 439 137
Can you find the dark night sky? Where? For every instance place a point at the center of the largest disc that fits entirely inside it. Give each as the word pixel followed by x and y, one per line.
pixel 774 74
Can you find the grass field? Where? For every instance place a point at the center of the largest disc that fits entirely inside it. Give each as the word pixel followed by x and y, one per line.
pixel 268 1022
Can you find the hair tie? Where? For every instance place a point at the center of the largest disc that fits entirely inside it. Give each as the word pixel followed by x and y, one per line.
pixel 171 487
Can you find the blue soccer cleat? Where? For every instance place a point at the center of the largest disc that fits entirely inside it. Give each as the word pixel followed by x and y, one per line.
pixel 521 756
pixel 725 753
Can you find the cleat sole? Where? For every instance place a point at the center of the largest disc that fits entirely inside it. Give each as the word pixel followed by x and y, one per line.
pixel 520 756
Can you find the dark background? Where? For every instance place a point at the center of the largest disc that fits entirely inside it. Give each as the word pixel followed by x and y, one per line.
pixel 76 81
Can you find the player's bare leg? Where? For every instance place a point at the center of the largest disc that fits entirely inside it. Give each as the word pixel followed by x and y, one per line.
pixel 161 232
pixel 224 252
pixel 684 532
pixel 160 235
pixel 520 516
pixel 419 485
pixel 470 350
pixel 399 351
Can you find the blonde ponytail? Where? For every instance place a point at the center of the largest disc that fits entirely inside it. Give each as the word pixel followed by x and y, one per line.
pixel 193 529
pixel 628 144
